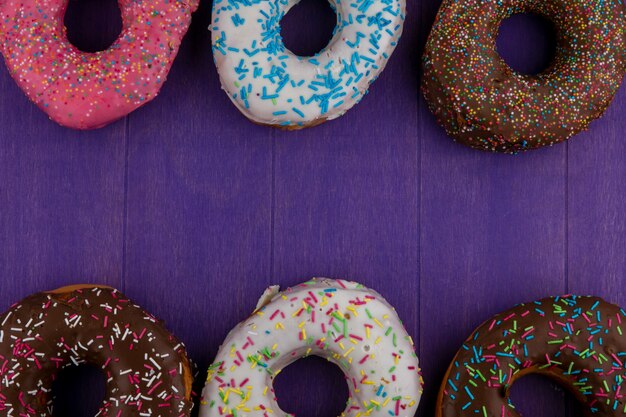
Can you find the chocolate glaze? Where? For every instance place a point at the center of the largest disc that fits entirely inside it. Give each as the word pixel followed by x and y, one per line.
pixel 577 341
pixel 483 103
pixel 146 369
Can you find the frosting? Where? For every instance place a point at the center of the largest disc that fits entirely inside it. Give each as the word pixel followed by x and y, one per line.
pixel 88 90
pixel 271 85
pixel 483 103
pixel 577 341
pixel 146 369
pixel 350 325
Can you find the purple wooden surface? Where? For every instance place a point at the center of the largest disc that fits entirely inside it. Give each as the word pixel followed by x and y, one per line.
pixel 192 210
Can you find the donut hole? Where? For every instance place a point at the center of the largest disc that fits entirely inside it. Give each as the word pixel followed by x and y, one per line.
pixel 527 42
pixel 78 391
pixel 539 396
pixel 93 25
pixel 311 387
pixel 308 27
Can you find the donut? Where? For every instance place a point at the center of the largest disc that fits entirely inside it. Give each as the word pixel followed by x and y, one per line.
pixel 576 341
pixel 485 104
pixel 146 369
pixel 84 90
pixel 344 322
pixel 272 86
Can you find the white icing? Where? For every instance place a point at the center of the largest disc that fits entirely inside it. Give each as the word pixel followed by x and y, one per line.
pixel 350 325
pixel 271 85
pixel 267 296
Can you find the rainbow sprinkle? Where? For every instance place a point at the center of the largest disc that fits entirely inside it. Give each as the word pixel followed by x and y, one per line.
pixel 485 104
pixel 576 340
pixel 344 322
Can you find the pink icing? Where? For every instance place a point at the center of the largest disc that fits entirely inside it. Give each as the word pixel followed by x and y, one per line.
pixel 85 90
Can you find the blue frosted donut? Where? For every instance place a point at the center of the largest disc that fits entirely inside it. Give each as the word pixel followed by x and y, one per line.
pixel 273 86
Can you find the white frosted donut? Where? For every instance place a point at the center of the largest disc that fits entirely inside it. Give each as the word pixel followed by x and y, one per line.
pixel 344 322
pixel 273 86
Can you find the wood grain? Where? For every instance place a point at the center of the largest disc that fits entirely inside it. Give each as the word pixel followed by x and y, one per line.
pixel 198 204
pixel 596 204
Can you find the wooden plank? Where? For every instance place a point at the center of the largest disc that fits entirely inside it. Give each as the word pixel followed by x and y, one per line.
pixel 61 200
pixel 596 204
pixel 493 231
pixel 199 204
pixel 346 191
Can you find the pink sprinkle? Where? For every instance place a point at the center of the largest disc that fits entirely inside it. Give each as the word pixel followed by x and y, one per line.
pixel 154 387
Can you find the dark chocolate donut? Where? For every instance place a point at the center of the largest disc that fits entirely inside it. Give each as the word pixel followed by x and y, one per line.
pixel 577 341
pixel 485 104
pixel 147 371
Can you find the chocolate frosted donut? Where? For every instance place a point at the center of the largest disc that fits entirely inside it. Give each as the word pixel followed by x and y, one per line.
pixel 485 104
pixel 147 371
pixel 577 341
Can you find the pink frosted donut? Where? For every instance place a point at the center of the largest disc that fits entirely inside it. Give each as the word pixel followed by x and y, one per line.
pixel 85 90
